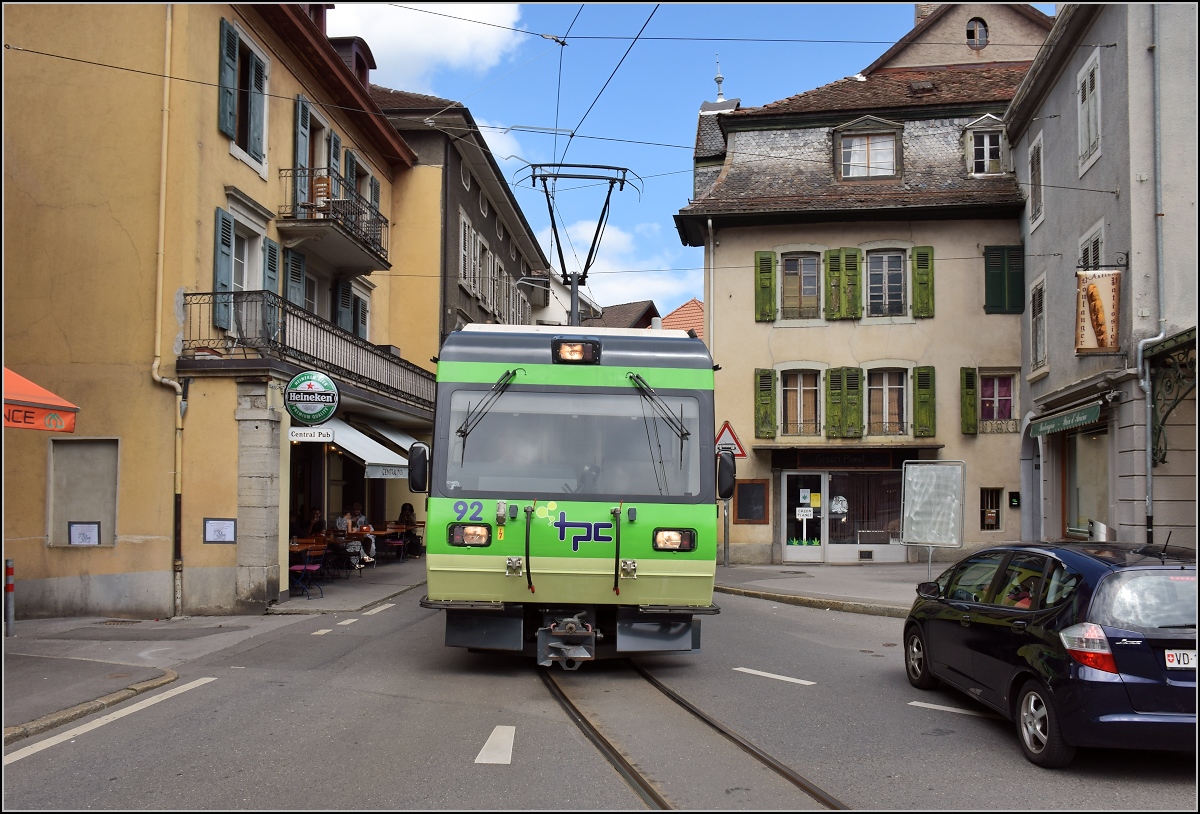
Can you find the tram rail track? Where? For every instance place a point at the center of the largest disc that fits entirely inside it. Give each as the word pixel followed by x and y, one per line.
pixel 638 780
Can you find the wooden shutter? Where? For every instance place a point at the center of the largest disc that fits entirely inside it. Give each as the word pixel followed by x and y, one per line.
pixel 343 305
pixel 359 317
pixel 764 287
pixel 1014 258
pixel 924 403
pixel 227 87
pixel 764 403
pixel 834 387
pixel 294 265
pixel 270 265
pixel 833 284
pixel 223 270
pixel 995 287
pixel 852 283
pixel 258 104
pixel 375 194
pixel 351 175
pixel 852 402
pixel 922 269
pixel 302 180
pixel 335 163
pixel 969 394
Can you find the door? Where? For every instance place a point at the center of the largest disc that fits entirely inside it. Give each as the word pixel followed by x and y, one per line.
pixel 1007 627
pixel 803 517
pixel 954 630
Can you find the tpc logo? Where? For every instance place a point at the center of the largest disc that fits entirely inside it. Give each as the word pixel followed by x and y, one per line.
pixel 588 532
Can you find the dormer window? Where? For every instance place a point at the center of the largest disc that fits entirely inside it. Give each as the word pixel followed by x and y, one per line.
pixel 868 149
pixel 985 146
pixel 977 34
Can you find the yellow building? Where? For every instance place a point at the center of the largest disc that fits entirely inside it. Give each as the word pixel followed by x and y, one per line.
pixel 201 201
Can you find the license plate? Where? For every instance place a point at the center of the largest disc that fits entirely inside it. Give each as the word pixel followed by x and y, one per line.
pixel 1181 659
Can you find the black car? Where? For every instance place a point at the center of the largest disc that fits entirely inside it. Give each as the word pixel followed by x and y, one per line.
pixel 1080 644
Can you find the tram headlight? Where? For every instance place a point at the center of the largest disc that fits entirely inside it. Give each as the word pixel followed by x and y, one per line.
pixel 674 540
pixel 464 535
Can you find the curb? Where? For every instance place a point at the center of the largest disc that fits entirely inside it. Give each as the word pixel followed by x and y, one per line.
pixel 868 608
pixel 303 611
pixel 12 734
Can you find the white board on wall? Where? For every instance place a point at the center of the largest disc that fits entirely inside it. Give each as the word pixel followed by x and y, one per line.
pixel 932 503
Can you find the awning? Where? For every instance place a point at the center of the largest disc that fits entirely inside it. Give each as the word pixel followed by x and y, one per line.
pixel 380 461
pixel 28 406
pixel 1079 416
pixel 400 439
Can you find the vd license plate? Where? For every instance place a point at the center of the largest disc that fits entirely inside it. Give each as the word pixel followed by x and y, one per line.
pixel 1181 659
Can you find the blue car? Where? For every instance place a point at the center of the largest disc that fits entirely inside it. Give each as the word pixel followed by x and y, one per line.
pixel 1079 644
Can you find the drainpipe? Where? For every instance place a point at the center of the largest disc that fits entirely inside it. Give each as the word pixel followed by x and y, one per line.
pixel 159 262
pixel 1143 365
pixel 712 284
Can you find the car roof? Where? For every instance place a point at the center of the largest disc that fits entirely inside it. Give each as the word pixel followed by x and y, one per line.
pixel 1120 555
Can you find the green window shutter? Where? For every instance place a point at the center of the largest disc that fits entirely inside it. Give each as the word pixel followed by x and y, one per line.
pixel 258 104
pixel 852 403
pixel 764 287
pixel 764 403
pixel 343 305
pixel 834 387
pixel 223 270
pixel 924 403
pixel 227 81
pixel 833 284
pixel 294 265
pixel 1015 256
pixel 302 179
pixel 969 393
pixel 995 287
pixel 922 269
pixel 852 283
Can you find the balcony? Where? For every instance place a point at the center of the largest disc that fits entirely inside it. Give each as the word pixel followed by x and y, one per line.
pixel 325 217
pixel 263 325
pixel 801 428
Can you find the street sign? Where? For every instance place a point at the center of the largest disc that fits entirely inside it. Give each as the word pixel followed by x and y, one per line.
pixel 727 440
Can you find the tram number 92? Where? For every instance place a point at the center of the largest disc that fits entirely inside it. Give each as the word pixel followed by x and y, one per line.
pixel 474 507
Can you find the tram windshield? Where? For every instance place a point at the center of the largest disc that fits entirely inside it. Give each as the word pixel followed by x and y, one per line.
pixel 593 444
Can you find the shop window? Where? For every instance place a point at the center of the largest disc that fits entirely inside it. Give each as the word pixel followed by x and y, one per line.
pixel 800 398
pixel 83 492
pixel 800 287
pixel 989 509
pixel 864 507
pixel 1086 479
pixel 751 501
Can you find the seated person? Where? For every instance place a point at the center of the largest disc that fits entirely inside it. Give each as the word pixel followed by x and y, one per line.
pixel 1020 595
pixel 412 543
pixel 343 524
pixel 316 524
pixel 359 523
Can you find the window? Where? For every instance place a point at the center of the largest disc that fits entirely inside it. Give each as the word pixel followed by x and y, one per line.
pixel 977 34
pixel 885 284
pixel 985 153
pixel 465 174
pixel 1037 326
pixel 995 398
pixel 1059 585
pixel 82 488
pixel 1088 83
pixel 869 155
pixel 359 316
pixel 1091 247
pixel 1003 279
pixel 800 398
pixel 751 501
pixel 310 293
pixel 1087 479
pixel 499 229
pixel 885 402
pixel 973 578
pixel 989 510
pixel 242 108
pixel 239 262
pixel 1035 183
pixel 483 203
pixel 1019 585
pixel 801 286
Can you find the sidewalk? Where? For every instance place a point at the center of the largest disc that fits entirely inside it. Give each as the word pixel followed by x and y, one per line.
pixel 59 670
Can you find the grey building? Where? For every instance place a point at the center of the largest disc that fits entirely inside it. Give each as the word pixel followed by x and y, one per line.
pixel 1103 130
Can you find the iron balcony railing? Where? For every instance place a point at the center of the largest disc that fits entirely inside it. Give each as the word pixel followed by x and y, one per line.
pixel 887 428
pixel 801 428
pixel 264 325
pixel 319 195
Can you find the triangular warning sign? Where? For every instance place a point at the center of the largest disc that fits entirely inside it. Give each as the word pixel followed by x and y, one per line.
pixel 727 439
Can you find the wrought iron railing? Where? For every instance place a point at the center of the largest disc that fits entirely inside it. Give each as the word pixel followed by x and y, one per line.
pixel 317 194
pixel 800 312
pixel 887 428
pixel 801 428
pixel 264 325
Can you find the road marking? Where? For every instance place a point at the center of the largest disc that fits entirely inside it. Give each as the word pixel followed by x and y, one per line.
pixel 941 708
pixel 322 632
pixel 99 722
pixel 347 621
pixel 498 748
pixel 374 611
pixel 776 677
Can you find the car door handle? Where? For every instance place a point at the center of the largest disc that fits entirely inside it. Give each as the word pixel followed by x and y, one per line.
pixel 1019 626
pixel 965 621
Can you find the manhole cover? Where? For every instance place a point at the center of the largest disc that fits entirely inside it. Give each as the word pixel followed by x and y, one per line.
pixel 122 621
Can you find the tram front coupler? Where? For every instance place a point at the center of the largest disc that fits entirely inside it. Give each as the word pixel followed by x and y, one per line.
pixel 568 640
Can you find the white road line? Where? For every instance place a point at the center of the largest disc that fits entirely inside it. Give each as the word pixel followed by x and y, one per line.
pixel 776 677
pixel 347 621
pixel 374 611
pixel 322 632
pixel 498 748
pixel 99 722
pixel 941 708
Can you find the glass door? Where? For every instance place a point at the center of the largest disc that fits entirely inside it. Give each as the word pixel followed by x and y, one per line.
pixel 803 517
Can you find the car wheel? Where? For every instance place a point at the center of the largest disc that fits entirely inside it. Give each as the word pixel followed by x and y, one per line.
pixel 1038 728
pixel 916 660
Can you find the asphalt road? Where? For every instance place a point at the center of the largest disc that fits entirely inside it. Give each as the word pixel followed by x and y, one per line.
pixel 377 713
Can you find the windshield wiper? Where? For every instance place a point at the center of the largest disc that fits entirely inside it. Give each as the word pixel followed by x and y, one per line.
pixel 1168 627
pixel 479 411
pixel 661 407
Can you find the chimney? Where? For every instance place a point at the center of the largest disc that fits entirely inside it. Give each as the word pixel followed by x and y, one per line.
pixel 924 10
pixel 357 56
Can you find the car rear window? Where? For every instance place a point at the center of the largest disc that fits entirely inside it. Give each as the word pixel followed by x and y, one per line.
pixel 1154 602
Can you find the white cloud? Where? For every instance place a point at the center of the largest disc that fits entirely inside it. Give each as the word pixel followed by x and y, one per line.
pixel 411 46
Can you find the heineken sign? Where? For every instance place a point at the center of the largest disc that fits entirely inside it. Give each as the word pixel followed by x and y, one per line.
pixel 311 397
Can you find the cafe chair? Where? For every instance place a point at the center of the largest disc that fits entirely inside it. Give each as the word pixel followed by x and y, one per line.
pixel 352 557
pixel 304 574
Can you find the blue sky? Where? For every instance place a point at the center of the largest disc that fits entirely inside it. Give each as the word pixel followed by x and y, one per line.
pixel 526 80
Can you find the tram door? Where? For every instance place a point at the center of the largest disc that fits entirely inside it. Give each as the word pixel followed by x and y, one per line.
pixel 803 517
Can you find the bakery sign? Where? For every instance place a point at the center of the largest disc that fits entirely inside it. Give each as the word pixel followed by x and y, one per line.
pixel 1098 305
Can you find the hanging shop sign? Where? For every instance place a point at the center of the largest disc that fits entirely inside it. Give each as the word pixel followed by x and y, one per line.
pixel 316 435
pixel 1097 309
pixel 311 397
pixel 1068 420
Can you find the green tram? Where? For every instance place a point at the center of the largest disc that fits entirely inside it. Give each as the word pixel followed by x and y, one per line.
pixel 572 485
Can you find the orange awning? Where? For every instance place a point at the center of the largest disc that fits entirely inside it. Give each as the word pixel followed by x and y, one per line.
pixel 28 406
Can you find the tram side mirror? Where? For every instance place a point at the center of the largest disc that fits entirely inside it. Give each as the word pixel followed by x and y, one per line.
pixel 726 474
pixel 418 468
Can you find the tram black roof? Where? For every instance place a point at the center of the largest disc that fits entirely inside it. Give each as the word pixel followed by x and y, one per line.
pixel 618 348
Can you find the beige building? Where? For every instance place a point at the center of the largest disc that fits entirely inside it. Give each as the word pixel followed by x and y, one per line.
pixel 863 289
